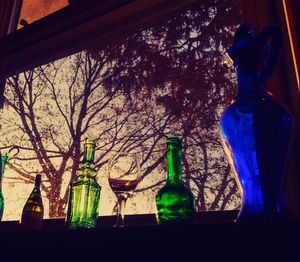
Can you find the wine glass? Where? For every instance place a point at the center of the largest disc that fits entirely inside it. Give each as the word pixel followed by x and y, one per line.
pixel 123 176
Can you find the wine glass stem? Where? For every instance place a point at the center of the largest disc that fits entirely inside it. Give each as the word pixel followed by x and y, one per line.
pixel 121 211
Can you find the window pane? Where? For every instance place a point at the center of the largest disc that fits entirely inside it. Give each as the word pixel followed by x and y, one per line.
pixel 33 10
pixel 164 79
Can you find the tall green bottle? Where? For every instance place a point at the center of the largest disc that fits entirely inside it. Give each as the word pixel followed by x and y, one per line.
pixel 3 160
pixel 83 206
pixel 175 203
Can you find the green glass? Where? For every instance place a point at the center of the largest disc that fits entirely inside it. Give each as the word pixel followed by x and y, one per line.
pixel 83 206
pixel 175 203
pixel 2 167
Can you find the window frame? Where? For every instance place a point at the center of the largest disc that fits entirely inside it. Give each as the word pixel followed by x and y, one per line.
pixel 46 40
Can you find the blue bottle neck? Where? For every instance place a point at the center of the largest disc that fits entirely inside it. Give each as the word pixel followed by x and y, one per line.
pixel 247 83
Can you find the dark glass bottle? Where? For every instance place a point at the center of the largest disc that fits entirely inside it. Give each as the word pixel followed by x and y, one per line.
pixel 3 161
pixel 175 203
pixel 256 130
pixel 33 211
pixel 83 206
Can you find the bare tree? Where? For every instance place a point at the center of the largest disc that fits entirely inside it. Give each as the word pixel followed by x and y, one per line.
pixel 57 109
pixel 130 94
pixel 183 56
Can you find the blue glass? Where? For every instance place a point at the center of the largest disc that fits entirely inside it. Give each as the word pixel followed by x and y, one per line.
pixel 256 132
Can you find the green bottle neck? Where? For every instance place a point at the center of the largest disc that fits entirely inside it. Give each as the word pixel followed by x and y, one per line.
pixel 174 165
pixel 3 159
pixel 89 153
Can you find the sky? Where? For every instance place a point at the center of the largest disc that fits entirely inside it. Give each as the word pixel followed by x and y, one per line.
pixel 33 10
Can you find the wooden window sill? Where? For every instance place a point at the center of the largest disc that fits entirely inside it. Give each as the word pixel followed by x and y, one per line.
pixel 130 221
pixel 252 241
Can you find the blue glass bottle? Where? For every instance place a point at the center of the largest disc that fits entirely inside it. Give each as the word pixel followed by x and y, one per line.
pixel 255 129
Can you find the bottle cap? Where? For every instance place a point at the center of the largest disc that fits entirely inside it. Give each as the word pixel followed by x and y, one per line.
pixel 175 141
pixel 38 179
pixel 90 141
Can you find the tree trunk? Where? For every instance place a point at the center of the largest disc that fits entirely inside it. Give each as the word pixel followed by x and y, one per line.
pixel 57 205
pixel 57 208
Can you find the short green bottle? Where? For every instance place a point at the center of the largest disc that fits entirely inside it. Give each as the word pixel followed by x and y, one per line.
pixel 33 211
pixel 175 203
pixel 83 205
